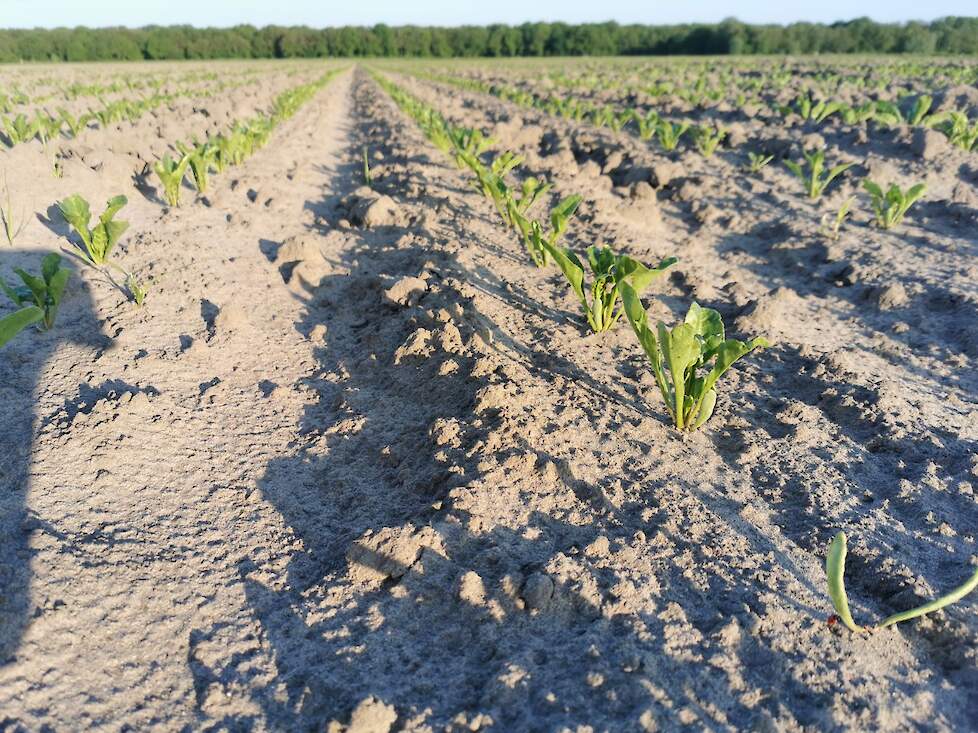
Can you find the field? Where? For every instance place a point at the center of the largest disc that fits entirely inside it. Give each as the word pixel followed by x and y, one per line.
pixel 334 444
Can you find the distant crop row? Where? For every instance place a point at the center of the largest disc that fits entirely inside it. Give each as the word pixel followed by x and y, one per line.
pixel 688 359
pixel 45 126
pixel 889 206
pixel 960 130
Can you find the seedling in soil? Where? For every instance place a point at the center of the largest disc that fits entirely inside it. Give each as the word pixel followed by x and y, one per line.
pixel 918 114
pixel 960 131
pixel 171 174
pixel 707 139
pixel 670 132
pixel 37 299
pixel 835 568
pixel 201 159
pixel 830 228
pixel 99 240
pixel 13 225
pixel 698 343
pixel 136 290
pixel 817 179
pixel 646 124
pixel 892 206
pixel 609 271
pixel 756 161
pixel 19 129
pixel 75 124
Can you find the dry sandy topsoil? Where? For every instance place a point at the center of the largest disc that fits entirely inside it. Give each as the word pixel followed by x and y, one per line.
pixel 357 466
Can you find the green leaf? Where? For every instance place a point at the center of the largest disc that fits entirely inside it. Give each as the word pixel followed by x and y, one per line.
pixel 955 595
pixel 49 266
pixel 17 321
pixel 835 568
pixel 18 295
pixel 638 275
pixel 76 212
pixel 56 285
pixel 572 268
pixel 638 318
pixel 874 190
pixel 112 207
pixel 37 286
pixel 681 351
pixel 707 405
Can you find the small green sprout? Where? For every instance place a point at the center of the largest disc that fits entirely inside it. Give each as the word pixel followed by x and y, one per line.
pixel 683 350
pixel 835 568
pixel 540 245
pixel 756 161
pixel 136 290
pixel 892 206
pixel 99 240
pixel 960 131
pixel 171 173
pixel 19 129
pixel 13 224
pixel 707 139
pixel 817 179
pixel 608 270
pixel 669 133
pixel 201 159
pixel 831 228
pixel 37 299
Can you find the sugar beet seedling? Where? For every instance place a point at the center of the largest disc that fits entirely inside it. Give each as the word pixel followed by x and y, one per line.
pixel 835 568
pixel 697 343
pixel 37 299
pixel 609 272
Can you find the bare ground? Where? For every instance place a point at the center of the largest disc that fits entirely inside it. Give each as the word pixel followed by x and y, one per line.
pixel 419 496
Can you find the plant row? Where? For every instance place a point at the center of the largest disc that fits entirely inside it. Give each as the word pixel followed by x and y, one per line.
pixel 889 205
pixel 230 148
pixel 45 126
pixel 686 360
pixel 38 298
pixel 959 129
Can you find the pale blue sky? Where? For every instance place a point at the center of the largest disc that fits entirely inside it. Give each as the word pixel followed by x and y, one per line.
pixel 48 13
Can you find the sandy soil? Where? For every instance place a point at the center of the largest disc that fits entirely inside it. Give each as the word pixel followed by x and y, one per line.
pixel 355 465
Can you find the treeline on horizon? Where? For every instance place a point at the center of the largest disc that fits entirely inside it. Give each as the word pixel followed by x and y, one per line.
pixel 953 35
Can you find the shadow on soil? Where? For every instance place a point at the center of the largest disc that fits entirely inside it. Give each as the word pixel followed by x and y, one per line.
pixel 22 361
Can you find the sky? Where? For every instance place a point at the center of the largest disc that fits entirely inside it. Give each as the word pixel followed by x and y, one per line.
pixel 321 13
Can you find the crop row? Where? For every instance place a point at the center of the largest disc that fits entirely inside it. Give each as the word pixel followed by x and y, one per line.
pixel 960 130
pixel 686 360
pixel 889 204
pixel 45 126
pixel 38 297
pixel 16 97
pixel 702 83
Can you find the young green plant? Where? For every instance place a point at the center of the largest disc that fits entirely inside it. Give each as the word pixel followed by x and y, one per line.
pixel 696 344
pixel 100 239
pixel 542 245
pixel 608 271
pixel 37 299
pixel 890 207
pixel 171 173
pixel 13 224
pixel 818 178
pixel 835 568
pixel 830 227
pixel 756 161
